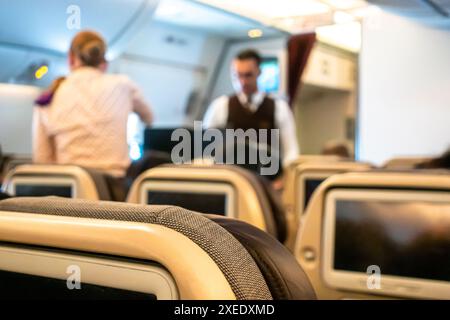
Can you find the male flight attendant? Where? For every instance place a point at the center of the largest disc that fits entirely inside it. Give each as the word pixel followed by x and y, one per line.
pixel 250 108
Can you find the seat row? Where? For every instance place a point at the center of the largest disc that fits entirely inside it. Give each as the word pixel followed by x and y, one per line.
pixel 363 233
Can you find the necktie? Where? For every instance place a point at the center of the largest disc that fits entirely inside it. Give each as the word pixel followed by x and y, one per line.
pixel 248 105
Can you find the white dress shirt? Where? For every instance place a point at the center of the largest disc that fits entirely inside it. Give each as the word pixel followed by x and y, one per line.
pixel 217 115
pixel 86 121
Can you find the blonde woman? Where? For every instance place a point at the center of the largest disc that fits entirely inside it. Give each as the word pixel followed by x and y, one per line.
pixel 82 119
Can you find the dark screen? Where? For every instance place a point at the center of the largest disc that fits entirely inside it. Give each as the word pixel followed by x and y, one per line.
pixel 408 239
pixel 200 202
pixel 310 186
pixel 160 139
pixel 43 190
pixel 23 286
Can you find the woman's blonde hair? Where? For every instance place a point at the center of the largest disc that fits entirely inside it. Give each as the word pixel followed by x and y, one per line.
pixel 89 47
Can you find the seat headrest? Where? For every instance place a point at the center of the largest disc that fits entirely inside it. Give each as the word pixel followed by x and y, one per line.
pixel 284 276
pixel 240 178
pixel 94 183
pixel 231 257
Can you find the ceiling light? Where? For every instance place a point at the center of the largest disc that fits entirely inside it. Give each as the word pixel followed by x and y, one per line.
pixel 168 9
pixel 361 13
pixel 345 4
pixel 346 36
pixel 41 71
pixel 270 9
pixel 342 17
pixel 255 33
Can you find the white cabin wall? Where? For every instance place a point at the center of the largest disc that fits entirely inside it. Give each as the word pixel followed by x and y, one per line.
pixel 16 111
pixel 321 117
pixel 404 89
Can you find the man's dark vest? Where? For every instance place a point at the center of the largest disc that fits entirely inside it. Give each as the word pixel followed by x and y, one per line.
pixel 240 117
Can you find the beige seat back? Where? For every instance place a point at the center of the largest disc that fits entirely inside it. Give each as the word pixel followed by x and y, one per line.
pixel 10 162
pixel 290 171
pixel 378 235
pixel 160 251
pixel 404 162
pixel 304 179
pixel 60 180
pixel 216 189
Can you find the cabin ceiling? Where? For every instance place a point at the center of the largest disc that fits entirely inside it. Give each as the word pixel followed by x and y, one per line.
pixel 43 23
pixel 435 13
pixel 299 15
pixel 336 22
pixel 37 33
pixel 196 15
pixel 293 15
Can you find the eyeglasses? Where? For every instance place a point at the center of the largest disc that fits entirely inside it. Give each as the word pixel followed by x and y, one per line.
pixel 247 75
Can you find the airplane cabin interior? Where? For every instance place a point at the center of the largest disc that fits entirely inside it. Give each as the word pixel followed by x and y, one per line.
pixel 225 150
